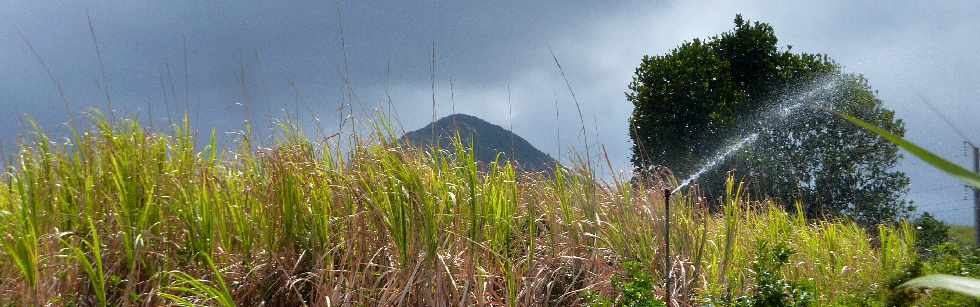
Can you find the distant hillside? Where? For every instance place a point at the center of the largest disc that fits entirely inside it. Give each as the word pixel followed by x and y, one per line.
pixel 488 140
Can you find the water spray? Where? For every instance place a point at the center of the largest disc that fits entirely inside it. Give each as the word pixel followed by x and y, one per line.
pixel 789 105
pixel 718 158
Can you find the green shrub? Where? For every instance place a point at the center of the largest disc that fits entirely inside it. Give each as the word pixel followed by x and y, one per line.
pixel 952 259
pixel 944 258
pixel 771 289
pixel 896 296
pixel 929 232
pixel 634 289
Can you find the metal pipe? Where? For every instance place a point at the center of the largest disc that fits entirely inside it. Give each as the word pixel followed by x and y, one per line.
pixel 667 288
pixel 976 195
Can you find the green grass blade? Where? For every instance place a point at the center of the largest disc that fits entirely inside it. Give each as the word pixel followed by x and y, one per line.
pixel 936 161
pixel 962 285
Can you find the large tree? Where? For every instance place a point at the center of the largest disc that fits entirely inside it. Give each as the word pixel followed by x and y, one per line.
pixel 703 95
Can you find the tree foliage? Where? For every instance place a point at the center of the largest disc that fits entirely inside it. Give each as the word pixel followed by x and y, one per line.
pixel 696 99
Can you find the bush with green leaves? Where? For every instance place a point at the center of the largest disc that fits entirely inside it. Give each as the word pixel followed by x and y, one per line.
pixel 634 289
pixel 929 232
pixel 951 259
pixel 893 294
pixel 771 288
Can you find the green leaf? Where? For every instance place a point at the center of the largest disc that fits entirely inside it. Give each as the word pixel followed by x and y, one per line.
pixel 936 161
pixel 962 285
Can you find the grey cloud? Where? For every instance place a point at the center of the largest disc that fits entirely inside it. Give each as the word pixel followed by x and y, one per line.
pixel 905 49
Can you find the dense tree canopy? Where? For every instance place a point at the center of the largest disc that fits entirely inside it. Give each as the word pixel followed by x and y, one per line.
pixel 701 96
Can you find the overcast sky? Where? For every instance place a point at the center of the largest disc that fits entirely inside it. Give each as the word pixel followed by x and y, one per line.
pixel 909 52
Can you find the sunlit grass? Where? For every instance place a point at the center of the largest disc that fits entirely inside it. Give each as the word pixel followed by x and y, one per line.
pixel 962 235
pixel 119 215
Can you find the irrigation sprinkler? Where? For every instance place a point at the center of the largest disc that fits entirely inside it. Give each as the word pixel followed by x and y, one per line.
pixel 667 292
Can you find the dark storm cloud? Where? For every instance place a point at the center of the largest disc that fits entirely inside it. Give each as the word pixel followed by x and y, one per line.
pixel 907 50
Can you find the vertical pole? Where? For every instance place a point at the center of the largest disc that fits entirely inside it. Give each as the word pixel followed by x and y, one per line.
pixel 667 288
pixel 976 196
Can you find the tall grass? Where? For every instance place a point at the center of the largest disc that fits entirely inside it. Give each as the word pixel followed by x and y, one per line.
pixel 119 215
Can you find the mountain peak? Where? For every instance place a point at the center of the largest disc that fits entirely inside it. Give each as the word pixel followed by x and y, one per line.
pixel 488 141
